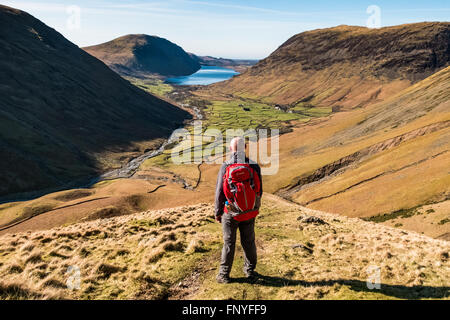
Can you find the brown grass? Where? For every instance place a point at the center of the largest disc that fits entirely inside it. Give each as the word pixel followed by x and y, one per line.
pixel 138 257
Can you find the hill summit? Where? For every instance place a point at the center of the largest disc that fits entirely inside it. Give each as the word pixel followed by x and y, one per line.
pixel 141 54
pixel 346 66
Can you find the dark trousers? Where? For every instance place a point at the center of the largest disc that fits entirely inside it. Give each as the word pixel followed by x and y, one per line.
pixel 247 232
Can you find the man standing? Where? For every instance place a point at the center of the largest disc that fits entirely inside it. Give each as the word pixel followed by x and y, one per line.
pixel 237 201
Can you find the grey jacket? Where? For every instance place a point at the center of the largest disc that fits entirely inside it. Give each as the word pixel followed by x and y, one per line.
pixel 220 196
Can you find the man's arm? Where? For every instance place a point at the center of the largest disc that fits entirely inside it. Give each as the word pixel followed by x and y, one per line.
pixel 220 196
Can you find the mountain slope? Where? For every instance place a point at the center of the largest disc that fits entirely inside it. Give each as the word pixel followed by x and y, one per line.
pixel 236 64
pixel 64 115
pixel 174 253
pixel 345 66
pixel 140 54
pixel 371 162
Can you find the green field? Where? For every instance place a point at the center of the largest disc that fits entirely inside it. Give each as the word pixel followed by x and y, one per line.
pixel 238 114
pixel 235 114
pixel 154 86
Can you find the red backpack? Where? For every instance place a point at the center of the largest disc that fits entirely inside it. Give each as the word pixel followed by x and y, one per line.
pixel 241 186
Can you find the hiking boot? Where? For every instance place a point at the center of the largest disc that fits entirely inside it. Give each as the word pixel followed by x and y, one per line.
pixel 251 275
pixel 221 278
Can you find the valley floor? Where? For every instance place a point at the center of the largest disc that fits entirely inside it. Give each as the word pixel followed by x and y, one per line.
pixel 174 254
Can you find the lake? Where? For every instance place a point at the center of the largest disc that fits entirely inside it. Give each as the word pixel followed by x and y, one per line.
pixel 206 75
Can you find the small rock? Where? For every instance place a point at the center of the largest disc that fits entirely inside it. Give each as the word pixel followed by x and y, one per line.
pixel 309 244
pixel 311 219
pixel 106 270
pixel 302 246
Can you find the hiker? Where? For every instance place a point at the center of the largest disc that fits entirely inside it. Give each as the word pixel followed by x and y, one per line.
pixel 237 202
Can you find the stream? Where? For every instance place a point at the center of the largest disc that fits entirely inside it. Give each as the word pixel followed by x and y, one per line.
pixel 128 169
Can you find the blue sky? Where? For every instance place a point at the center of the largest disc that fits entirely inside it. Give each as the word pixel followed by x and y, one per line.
pixel 231 29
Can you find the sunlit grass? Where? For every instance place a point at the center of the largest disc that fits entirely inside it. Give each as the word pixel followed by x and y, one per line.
pixel 154 86
pixel 175 253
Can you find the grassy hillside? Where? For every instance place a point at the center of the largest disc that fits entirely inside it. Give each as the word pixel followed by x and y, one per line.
pixel 174 254
pixel 144 55
pixel 373 161
pixel 64 115
pixel 344 67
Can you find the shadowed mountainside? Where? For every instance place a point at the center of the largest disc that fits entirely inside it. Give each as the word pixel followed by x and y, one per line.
pixel 65 115
pixel 143 55
pixel 345 66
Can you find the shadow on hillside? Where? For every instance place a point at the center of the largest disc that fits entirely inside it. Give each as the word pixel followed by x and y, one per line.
pixel 398 291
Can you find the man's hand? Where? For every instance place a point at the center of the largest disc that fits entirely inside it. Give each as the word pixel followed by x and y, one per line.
pixel 219 219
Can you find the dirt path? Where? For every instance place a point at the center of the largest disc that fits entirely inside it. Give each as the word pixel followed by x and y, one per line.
pixel 207 269
pixel 188 288
pixel 58 208
pixel 60 215
pixel 56 217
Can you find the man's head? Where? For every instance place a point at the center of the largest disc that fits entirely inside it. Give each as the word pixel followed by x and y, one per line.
pixel 237 144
